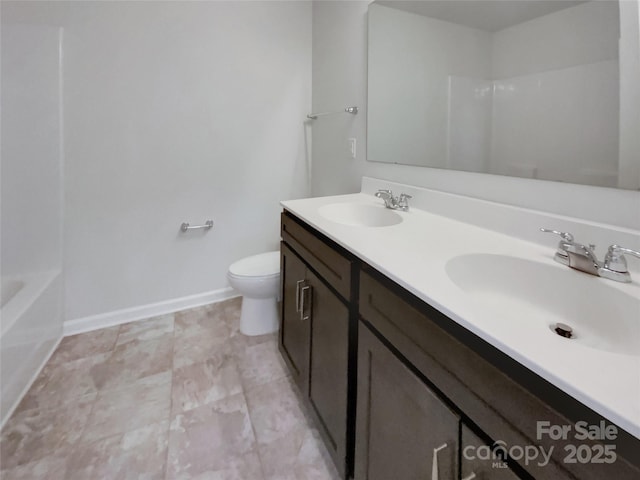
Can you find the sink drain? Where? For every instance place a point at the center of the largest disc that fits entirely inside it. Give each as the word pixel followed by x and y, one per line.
pixel 563 330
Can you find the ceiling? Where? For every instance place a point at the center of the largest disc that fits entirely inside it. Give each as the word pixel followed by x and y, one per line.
pixel 490 15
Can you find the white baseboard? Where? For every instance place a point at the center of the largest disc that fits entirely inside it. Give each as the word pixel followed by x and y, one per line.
pixel 118 317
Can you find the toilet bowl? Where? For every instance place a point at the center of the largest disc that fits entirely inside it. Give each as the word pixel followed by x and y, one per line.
pixel 257 278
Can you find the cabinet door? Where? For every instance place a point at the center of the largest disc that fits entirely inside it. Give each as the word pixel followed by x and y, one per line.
pixel 475 464
pixel 294 332
pixel 328 374
pixel 400 421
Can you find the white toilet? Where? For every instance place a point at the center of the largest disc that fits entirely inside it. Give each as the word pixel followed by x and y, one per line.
pixel 257 278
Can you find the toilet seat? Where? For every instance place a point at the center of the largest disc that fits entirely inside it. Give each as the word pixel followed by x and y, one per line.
pixel 262 265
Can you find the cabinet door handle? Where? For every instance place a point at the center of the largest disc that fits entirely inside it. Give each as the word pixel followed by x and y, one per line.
pixel 303 305
pixel 434 463
pixel 471 476
pixel 298 283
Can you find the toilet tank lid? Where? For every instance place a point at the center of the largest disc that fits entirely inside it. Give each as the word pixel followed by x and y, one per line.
pixel 257 265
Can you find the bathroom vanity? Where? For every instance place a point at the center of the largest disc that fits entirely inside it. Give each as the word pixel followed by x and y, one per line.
pixel 318 331
pixel 408 384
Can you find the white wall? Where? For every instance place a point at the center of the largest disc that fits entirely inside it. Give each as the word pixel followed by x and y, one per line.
pixel 562 70
pixel 586 33
pixel 412 58
pixel 31 163
pixel 175 111
pixel 340 72
pixel 570 130
pixel 629 171
pixel 469 123
pixel 339 79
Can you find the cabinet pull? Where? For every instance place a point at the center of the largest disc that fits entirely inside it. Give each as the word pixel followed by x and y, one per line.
pixel 298 283
pixel 434 463
pixel 303 292
pixel 471 476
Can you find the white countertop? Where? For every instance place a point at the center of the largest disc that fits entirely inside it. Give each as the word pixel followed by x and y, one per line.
pixel 414 254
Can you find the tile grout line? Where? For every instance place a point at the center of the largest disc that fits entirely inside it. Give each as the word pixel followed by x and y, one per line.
pixel 244 395
pixel 99 393
pixel 173 361
pixel 245 389
pixel 61 448
pixel 68 460
pixel 253 428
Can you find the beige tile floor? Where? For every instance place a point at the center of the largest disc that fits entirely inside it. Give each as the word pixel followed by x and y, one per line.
pixel 181 396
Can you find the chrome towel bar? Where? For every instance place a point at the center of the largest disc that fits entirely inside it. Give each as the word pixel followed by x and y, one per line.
pixel 351 110
pixel 207 225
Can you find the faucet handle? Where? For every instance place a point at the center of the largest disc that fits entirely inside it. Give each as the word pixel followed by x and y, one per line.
pixel 562 251
pixel 403 201
pixel 615 265
pixel 564 235
pixel 614 260
pixel 387 196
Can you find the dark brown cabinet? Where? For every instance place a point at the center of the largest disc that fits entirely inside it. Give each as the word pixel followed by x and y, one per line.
pixel 316 331
pixel 328 366
pixel 390 380
pixel 478 462
pixel 499 397
pixel 294 331
pixel 404 430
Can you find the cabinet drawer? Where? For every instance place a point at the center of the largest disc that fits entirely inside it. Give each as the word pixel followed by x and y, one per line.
pixel 331 265
pixel 479 380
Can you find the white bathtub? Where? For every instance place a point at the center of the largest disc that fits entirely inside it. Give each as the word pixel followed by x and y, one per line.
pixel 9 289
pixel 30 329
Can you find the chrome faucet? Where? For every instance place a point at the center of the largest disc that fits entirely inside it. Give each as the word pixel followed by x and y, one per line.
pixel 392 202
pixel 583 258
pixel 387 196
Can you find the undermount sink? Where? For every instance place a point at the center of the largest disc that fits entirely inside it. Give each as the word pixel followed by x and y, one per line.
pixel 521 290
pixel 360 214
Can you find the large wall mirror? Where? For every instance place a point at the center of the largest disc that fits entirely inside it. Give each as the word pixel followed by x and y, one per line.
pixel 525 88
